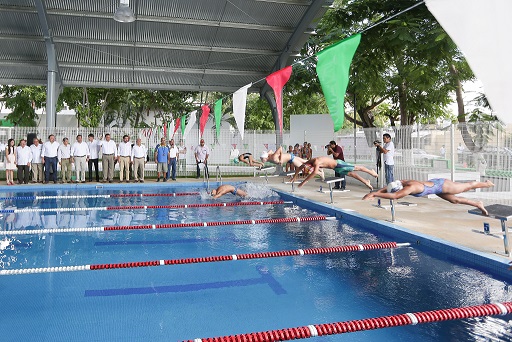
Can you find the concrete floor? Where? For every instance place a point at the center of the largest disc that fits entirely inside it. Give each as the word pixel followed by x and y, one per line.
pixel 434 217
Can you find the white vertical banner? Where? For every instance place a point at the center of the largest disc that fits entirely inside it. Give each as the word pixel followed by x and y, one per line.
pixel 239 104
pixel 190 124
pixel 481 29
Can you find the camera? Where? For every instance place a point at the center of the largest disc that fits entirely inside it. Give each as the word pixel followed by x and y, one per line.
pixel 327 146
pixel 376 142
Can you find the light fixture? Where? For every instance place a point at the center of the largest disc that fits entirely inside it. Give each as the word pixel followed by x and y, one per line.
pixel 124 13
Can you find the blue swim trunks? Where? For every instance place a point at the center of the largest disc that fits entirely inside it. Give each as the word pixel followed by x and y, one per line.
pixel 435 189
pixel 291 158
pixel 343 168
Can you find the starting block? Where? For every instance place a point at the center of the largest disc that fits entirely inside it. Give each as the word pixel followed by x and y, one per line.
pixel 502 213
pixel 266 171
pixel 330 181
pixel 291 174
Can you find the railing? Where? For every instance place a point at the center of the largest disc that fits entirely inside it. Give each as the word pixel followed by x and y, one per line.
pixel 218 175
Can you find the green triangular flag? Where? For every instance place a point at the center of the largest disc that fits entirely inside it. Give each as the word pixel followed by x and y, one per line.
pixel 218 116
pixel 183 124
pixel 333 69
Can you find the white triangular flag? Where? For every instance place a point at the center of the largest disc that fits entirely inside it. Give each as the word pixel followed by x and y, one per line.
pixel 190 124
pixel 239 104
pixel 481 30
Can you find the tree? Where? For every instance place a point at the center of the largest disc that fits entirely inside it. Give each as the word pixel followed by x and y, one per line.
pixel 23 101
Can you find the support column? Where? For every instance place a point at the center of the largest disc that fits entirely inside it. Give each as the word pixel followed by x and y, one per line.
pixel 51 99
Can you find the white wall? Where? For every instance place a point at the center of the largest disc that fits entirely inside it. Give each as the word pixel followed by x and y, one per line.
pixel 317 129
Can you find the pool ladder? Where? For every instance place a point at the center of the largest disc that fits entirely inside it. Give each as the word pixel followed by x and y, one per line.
pixel 218 175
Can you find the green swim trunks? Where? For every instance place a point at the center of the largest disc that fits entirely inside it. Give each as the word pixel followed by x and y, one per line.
pixel 343 168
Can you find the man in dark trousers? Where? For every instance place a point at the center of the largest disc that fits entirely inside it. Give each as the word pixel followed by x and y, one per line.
pixel 337 153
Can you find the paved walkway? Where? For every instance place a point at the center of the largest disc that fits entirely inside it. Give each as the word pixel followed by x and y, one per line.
pixel 434 216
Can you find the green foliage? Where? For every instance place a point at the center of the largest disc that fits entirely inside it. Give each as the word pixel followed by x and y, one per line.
pixel 23 101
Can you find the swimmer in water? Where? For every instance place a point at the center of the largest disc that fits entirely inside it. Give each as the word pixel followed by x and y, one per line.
pixel 228 189
pixel 443 188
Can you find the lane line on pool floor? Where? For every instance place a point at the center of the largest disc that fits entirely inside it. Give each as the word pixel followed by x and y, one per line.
pixel 315 330
pixel 135 207
pixel 233 257
pixel 166 225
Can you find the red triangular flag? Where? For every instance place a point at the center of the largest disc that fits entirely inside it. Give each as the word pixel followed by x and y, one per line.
pixel 204 118
pixel 165 130
pixel 177 125
pixel 277 80
pixel 234 146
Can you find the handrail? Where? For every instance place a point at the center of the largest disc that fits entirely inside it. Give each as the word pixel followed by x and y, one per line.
pixel 206 177
pixel 218 175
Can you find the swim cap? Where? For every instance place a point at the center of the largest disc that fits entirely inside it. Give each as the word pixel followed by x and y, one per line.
pixel 395 186
pixel 264 155
pixel 308 168
pixel 235 160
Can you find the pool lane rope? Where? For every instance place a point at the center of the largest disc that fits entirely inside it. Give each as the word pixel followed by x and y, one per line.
pixel 174 194
pixel 166 225
pixel 135 207
pixel 367 324
pixel 233 257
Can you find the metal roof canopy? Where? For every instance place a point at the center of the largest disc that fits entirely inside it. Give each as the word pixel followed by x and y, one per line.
pixel 208 45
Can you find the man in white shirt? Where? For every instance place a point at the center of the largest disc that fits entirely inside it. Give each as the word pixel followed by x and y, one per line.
pixel 37 162
pixel 389 151
pixel 109 154
pixel 64 156
pixel 80 154
pixel 23 159
pixel 124 152
pixel 139 155
pixel 94 150
pixel 182 157
pixel 173 158
pixel 202 152
pixel 49 154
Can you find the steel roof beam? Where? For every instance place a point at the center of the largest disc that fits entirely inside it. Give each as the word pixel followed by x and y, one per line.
pixel 142 68
pixel 143 18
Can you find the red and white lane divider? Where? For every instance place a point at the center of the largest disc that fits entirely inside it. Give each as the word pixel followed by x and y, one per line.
pixel 135 207
pixel 165 225
pixel 261 255
pixel 367 324
pixel 174 194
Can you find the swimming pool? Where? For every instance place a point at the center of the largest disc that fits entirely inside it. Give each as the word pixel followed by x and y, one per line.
pixel 214 299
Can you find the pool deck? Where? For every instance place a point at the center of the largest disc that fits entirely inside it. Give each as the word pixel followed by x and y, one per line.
pixel 431 216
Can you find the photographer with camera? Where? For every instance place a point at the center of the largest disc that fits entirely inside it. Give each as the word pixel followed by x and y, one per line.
pixel 337 153
pixel 388 151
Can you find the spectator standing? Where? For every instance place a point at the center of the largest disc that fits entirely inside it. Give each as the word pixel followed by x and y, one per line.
pixel 139 155
pixel 109 154
pixel 306 151
pixel 201 153
pixel 162 159
pixel 37 163
pixel 124 156
pixel 442 152
pixel 23 160
pixel 460 153
pixel 64 156
pixel 94 150
pixel 182 157
pixel 389 152
pixel 50 151
pixel 337 153
pixel 80 154
pixel 10 161
pixel 173 159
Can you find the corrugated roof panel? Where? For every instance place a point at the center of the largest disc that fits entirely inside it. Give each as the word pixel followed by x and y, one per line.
pixel 164 33
pixel 93 75
pixel 233 61
pixel 25 71
pixel 165 78
pixel 229 80
pixel 18 3
pixel 14 50
pixel 94 54
pixel 190 9
pixel 263 13
pixel 104 6
pixel 171 58
pixel 20 23
pixel 91 28
pixel 251 39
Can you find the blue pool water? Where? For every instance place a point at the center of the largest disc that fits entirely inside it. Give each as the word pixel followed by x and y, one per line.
pixel 169 303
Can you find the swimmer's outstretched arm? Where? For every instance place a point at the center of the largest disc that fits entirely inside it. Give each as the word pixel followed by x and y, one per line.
pixel 297 171
pixel 311 175
pixel 383 193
